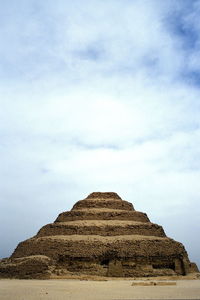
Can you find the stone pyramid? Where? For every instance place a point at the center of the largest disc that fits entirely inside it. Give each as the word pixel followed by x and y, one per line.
pixel 102 235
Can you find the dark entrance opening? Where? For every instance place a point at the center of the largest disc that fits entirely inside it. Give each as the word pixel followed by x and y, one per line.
pixel 164 266
pixel 104 262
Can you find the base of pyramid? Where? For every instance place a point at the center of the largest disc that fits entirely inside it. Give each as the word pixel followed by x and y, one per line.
pixel 119 256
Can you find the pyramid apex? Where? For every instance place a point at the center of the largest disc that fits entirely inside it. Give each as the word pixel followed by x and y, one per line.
pixel 103 195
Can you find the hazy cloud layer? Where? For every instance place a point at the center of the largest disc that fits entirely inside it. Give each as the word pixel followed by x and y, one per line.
pixel 99 96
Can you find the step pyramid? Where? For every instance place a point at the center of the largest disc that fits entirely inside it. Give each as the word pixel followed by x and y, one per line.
pixel 102 235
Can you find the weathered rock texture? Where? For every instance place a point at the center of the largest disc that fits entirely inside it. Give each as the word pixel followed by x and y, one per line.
pixel 101 235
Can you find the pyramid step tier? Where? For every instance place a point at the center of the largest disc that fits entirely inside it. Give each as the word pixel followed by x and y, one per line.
pixel 129 256
pixel 102 214
pixel 83 246
pixel 102 228
pixel 104 203
pixel 105 195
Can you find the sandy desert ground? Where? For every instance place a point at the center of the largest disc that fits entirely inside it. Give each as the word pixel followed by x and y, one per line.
pixel 92 290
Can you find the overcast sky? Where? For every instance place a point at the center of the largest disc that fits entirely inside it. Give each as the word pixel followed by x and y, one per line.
pixel 99 95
